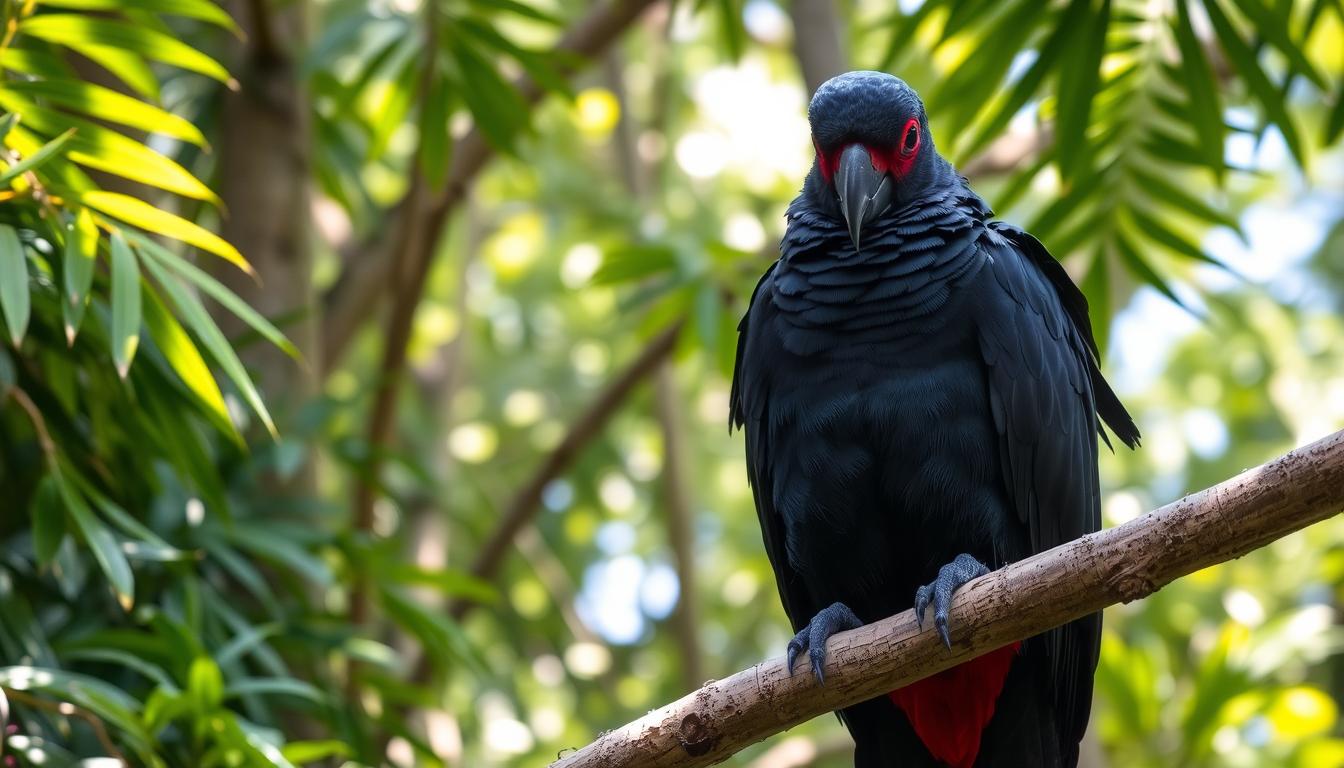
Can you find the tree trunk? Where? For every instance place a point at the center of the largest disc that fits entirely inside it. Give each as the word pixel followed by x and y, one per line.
pixel 263 151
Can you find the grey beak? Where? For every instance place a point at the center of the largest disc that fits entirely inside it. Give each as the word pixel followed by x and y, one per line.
pixel 865 192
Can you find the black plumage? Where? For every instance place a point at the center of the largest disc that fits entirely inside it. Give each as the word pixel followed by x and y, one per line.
pixel 930 392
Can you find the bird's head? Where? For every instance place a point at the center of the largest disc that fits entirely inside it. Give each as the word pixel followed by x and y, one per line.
pixel 873 146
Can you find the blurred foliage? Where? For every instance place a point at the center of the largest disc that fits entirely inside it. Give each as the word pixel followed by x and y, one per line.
pixel 171 590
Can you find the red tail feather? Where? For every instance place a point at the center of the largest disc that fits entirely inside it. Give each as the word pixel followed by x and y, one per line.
pixel 950 710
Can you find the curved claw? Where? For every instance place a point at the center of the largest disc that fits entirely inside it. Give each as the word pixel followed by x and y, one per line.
pixel 939 592
pixel 812 638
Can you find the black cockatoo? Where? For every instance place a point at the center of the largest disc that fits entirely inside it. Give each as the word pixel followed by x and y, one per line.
pixel 920 395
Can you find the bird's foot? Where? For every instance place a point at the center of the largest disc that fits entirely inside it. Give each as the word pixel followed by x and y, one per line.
pixel 813 637
pixel 950 578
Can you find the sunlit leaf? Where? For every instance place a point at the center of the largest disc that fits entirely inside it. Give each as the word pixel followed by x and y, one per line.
pixel 106 104
pixel 202 10
pixel 215 290
pixel 79 32
pixel 145 216
pixel 182 355
pixel 198 319
pixel 80 254
pixel 1269 96
pixel 48 151
pixel 1077 89
pixel 127 66
pixel 1205 113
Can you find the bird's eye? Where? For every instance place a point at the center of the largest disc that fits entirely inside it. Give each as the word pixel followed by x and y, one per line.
pixel 911 141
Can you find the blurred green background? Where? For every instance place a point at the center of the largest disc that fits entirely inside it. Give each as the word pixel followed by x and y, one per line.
pixel 448 482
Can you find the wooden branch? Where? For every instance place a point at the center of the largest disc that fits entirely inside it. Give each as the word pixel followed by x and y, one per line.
pixel 1121 564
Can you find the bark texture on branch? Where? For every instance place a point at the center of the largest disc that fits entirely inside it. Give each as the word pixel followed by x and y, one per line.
pixel 1119 564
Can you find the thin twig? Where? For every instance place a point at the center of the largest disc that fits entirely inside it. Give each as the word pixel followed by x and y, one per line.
pixel 71 710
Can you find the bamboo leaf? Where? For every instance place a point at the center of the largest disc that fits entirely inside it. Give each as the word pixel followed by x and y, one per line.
pixel 215 290
pixel 145 216
pixel 1078 84
pixel 107 104
pixel 111 560
pixel 434 132
pixel 198 319
pixel 1274 29
pixel 1270 97
pixel 48 516
pixel 48 151
pixel 1141 269
pixel 78 31
pixel 183 357
pixel 14 298
pixel 128 66
pixel 1163 235
pixel 1181 200
pixel 1205 112
pixel 201 10
pixel 125 331
pixel 496 107
pixel 1334 124
pixel 6 123
pixel 80 254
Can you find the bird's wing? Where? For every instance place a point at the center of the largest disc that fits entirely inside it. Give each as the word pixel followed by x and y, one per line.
pixel 1045 394
pixel 748 406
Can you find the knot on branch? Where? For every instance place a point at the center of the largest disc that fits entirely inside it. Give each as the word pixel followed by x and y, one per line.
pixel 695 735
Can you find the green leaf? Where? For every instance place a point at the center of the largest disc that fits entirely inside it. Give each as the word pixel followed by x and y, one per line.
pixel 81 252
pixel 201 10
pixel 1096 287
pixel 1142 270
pixel 186 361
pixel 441 635
pixel 79 32
pixel 634 261
pixel 48 151
pixel 395 105
pixel 126 310
pixel 1078 82
pixel 100 541
pixel 1205 112
pixel 1273 28
pixel 434 132
pixel 215 290
pixel 313 751
pixel 265 686
pixel 1030 81
pixel 145 216
pixel 1269 96
pixel 48 516
pixel 8 121
pixel 1161 234
pixel 14 298
pixel 239 646
pixel 1334 124
pixel 132 70
pixel 449 582
pixel 205 684
pixel 106 104
pixel 106 150
pixel 1157 186
pixel 521 9
pixel 495 105
pixel 198 319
